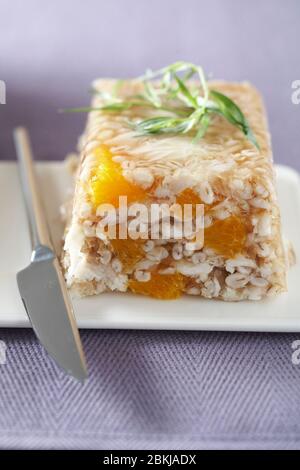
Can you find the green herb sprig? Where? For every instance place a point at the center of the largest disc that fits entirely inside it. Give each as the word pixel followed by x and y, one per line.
pixel 185 104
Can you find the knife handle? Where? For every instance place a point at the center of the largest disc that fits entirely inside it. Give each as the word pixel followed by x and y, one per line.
pixel 37 222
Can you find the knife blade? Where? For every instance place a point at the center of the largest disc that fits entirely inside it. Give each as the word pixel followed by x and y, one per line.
pixel 41 284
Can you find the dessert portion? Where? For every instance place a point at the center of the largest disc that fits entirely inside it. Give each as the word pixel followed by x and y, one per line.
pixel 226 169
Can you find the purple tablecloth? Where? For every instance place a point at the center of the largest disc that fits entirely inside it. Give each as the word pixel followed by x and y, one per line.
pixel 147 389
pixel 154 390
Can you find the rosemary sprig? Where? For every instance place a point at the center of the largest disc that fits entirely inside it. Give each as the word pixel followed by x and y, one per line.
pixel 188 105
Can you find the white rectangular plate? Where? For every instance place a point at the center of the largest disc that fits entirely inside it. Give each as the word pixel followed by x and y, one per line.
pixel 114 310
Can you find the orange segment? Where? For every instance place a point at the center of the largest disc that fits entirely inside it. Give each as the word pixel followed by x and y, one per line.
pixel 107 182
pixel 160 286
pixel 128 251
pixel 188 196
pixel 227 237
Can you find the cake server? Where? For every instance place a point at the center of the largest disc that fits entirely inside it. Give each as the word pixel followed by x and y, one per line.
pixel 41 284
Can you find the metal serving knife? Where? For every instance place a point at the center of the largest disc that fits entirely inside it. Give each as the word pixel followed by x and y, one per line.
pixel 41 284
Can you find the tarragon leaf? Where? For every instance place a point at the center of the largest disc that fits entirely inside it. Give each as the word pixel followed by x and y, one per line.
pixel 116 106
pixel 189 99
pixel 233 114
pixel 203 126
pixel 188 104
pixel 163 125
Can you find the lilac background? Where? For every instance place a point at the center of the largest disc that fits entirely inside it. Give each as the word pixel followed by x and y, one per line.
pixel 147 389
pixel 51 50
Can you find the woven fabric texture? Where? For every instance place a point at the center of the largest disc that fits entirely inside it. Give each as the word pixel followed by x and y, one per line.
pixel 153 390
pixel 147 389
